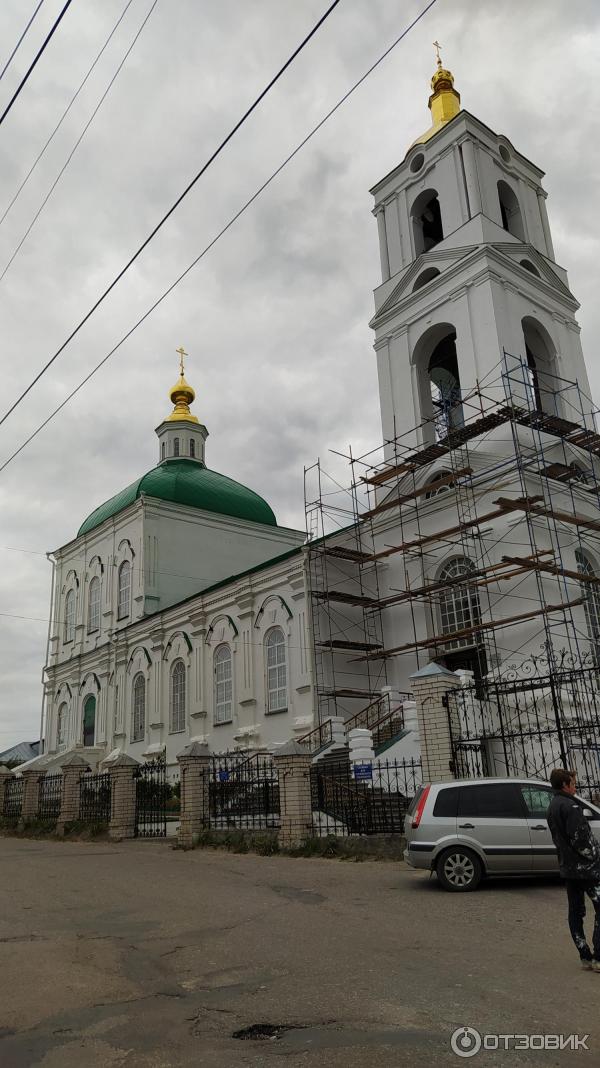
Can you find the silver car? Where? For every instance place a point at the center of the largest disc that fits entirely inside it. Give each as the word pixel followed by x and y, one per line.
pixel 471 828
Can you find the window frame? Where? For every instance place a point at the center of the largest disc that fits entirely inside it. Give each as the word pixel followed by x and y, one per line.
pixel 69 621
pixel 138 715
pixel 221 656
pixel 192 449
pixel 272 709
pixel 175 446
pixel 93 606
pixel 459 602
pixel 591 598
pixel 177 697
pixel 61 716
pixel 124 567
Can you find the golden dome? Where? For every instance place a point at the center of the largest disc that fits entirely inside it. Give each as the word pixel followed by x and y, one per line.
pixel 182 395
pixel 444 102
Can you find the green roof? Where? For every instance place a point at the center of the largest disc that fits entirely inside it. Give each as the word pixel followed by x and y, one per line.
pixel 187 482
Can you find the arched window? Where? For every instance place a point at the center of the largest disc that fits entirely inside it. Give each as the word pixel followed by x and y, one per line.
pixel 459 602
pixel 440 489
pixel 61 726
pixel 543 389
pixel 69 616
pixel 177 710
pixel 94 606
pixel 510 211
pixel 175 446
pixel 138 718
pixel 445 386
pixel 192 448
pixel 425 277
pixel 427 221
pixel 530 267
pixel 163 450
pixel 591 598
pixel 124 601
pixel 89 720
pixel 223 685
pixel 277 700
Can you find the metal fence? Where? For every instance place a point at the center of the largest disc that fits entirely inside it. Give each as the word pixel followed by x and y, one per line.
pixel 13 798
pixel 363 799
pixel 243 794
pixel 50 797
pixel 95 797
pixel 151 791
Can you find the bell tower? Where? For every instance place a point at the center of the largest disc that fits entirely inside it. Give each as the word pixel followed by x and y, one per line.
pixel 181 435
pixel 468 274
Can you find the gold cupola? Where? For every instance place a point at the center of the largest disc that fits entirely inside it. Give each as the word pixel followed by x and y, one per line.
pixel 181 396
pixel 444 102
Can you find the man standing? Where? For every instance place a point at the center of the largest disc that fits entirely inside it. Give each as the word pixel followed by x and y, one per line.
pixel 579 861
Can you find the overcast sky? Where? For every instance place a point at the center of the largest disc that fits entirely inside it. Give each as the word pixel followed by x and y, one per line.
pixel 275 317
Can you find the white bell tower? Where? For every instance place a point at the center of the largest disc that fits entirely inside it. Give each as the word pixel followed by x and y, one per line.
pixel 468 273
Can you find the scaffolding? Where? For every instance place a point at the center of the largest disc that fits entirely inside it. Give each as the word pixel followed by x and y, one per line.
pixel 516 475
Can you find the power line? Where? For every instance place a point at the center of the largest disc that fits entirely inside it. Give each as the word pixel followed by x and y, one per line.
pixel 77 143
pixel 18 44
pixel 176 204
pixel 205 250
pixel 43 47
pixel 66 111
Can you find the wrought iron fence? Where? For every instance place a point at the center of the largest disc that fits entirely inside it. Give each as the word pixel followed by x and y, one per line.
pixel 13 798
pixel 50 797
pixel 173 803
pixel 367 798
pixel 243 794
pixel 525 725
pixel 151 792
pixel 95 797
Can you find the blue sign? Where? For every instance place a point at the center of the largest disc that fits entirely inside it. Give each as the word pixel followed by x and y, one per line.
pixel 363 772
pixel 223 775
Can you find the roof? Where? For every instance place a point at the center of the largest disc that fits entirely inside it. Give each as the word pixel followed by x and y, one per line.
pixel 187 482
pixel 20 752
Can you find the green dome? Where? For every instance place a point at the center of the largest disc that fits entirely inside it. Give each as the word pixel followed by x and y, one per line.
pixel 187 482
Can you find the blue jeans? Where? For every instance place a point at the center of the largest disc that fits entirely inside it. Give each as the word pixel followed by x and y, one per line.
pixel 576 891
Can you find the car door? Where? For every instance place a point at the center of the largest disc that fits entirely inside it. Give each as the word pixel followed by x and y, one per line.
pixel 536 798
pixel 492 815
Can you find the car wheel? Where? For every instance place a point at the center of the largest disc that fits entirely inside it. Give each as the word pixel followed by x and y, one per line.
pixel 459 870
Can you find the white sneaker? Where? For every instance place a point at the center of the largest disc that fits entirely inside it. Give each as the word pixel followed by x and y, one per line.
pixel 590 965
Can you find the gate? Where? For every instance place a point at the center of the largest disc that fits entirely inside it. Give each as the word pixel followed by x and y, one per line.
pixel 151 793
pixel 527 725
pixel 243 793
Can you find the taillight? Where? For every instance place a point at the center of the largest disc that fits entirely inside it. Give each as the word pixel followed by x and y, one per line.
pixel 420 806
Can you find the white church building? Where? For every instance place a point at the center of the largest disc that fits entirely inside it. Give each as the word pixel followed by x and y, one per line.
pixel 480 540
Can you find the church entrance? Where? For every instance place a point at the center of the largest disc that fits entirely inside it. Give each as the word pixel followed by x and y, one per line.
pixel 89 720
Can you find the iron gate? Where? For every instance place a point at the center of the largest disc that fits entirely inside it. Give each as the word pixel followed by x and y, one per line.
pixel 151 793
pixel 525 724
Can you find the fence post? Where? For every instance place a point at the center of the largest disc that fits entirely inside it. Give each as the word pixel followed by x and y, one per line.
pixel 431 685
pixel 194 778
pixel 5 775
pixel 72 767
pixel 293 764
pixel 31 788
pixel 123 790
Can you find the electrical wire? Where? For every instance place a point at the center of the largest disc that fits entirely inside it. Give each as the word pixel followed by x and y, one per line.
pixel 65 112
pixel 197 259
pixel 42 49
pixel 18 44
pixel 73 151
pixel 177 202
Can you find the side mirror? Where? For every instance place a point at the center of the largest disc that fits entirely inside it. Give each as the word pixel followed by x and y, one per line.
pixel 587 812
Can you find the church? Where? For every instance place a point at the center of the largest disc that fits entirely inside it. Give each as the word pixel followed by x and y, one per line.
pixel 184 612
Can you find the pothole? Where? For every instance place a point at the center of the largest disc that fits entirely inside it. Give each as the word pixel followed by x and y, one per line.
pixel 264 1032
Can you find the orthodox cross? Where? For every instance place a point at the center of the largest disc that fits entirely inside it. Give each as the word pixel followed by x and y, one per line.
pixel 437 46
pixel 182 353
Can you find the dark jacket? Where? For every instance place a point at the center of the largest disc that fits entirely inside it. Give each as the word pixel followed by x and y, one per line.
pixel 578 849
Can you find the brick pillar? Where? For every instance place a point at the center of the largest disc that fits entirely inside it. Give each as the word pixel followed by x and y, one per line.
pixel 73 767
pixel 31 789
pixel 430 686
pixel 293 768
pixel 5 775
pixel 194 769
pixel 123 785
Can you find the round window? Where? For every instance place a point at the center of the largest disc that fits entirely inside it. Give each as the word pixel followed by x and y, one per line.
pixel 417 162
pixel 504 153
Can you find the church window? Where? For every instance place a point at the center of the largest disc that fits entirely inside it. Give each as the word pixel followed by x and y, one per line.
pixel 276 671
pixel 138 719
pixel 510 211
pixel 542 387
pixel 192 448
pixel 441 489
pixel 163 450
pixel 89 720
pixel 175 446
pixel 591 599
pixel 61 726
pixel 445 386
pixel 124 590
pixel 427 221
pixel 69 616
pixel 530 267
pixel 459 603
pixel 177 710
pixel 94 606
pixel 425 277
pixel 223 685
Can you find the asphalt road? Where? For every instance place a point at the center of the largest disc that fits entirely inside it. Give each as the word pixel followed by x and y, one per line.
pixel 135 954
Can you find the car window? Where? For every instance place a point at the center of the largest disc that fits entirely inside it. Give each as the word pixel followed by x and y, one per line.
pixel 491 801
pixel 537 799
pixel 446 802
